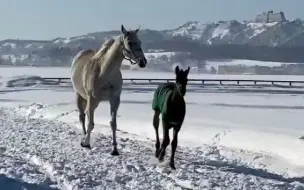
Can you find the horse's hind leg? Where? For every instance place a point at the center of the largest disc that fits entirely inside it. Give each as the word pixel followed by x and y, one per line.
pixel 156 125
pixel 114 105
pixel 174 145
pixel 166 141
pixel 90 108
pixel 81 105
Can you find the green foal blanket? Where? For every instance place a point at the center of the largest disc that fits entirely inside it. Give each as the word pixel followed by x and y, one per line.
pixel 172 109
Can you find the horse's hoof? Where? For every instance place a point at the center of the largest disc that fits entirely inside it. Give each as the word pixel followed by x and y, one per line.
pixel 115 152
pixel 157 153
pixel 172 166
pixel 161 158
pixel 88 146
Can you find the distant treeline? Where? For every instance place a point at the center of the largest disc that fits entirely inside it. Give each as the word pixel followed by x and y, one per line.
pixel 202 51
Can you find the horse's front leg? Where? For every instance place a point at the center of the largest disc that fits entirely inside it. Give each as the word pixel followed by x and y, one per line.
pixel 166 141
pixel 174 145
pixel 91 105
pixel 114 105
pixel 81 105
pixel 156 125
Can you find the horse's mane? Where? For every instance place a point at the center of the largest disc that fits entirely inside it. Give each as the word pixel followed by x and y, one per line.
pixel 104 48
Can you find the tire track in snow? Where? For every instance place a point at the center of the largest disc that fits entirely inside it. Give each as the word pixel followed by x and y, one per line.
pixel 18 173
pixel 54 147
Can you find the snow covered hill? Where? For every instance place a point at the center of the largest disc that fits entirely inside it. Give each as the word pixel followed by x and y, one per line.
pixel 234 32
pixel 222 32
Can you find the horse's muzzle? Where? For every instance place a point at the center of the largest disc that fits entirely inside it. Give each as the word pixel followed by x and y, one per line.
pixel 142 62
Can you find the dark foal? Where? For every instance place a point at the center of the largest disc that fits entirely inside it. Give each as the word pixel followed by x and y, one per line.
pixel 169 101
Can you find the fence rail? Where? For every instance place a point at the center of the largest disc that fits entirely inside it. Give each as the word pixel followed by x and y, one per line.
pixel 197 81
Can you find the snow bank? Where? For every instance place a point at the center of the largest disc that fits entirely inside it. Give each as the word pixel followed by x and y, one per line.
pixel 26 81
pixel 53 147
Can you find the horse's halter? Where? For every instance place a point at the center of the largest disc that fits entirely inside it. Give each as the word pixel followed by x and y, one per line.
pixel 124 49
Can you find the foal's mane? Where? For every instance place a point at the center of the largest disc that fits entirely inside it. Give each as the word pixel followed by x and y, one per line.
pixel 103 50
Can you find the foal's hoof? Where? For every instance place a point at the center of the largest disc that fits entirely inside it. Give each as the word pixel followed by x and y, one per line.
pixel 115 152
pixel 172 166
pixel 88 146
pixel 161 158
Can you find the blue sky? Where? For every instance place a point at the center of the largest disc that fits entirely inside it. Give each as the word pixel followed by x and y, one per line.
pixel 48 19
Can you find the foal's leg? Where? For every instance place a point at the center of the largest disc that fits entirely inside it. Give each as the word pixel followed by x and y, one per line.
pixel 174 145
pixel 81 105
pixel 114 105
pixel 91 105
pixel 156 125
pixel 166 141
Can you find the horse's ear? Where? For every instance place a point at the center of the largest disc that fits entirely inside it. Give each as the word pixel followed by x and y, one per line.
pixel 176 69
pixel 123 30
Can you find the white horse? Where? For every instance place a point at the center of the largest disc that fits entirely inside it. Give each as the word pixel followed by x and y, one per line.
pixel 96 77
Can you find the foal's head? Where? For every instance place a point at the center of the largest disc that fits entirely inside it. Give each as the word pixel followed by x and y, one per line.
pixel 132 47
pixel 181 79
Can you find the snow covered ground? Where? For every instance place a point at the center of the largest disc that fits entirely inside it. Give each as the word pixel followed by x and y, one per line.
pixel 233 137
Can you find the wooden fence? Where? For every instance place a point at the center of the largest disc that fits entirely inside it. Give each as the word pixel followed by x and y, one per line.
pixel 200 81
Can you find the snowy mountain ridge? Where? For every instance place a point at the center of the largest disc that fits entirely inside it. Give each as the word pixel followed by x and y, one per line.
pixel 273 34
pixel 222 32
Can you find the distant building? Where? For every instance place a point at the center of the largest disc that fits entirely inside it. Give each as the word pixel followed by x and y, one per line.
pixel 270 16
pixel 243 69
pixel 261 70
pixel 231 69
pixel 284 69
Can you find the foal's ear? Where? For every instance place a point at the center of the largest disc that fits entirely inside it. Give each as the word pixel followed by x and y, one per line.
pixel 137 29
pixel 187 71
pixel 123 30
pixel 176 69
